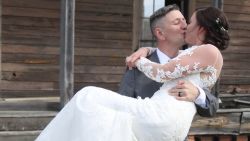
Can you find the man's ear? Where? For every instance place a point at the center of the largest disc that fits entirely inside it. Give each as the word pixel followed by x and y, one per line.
pixel 159 34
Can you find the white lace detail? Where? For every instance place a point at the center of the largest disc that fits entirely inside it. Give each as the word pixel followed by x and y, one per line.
pixel 210 79
pixel 185 63
pixel 188 52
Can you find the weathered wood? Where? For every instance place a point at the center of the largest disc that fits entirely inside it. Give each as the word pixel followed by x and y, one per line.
pixel 28 93
pixel 107 17
pixel 0 40
pixel 39 104
pixel 238 2
pixel 19 135
pixel 33 4
pixel 54 23
pixel 239 33
pixel 103 8
pixel 239 9
pixel 30 12
pixel 225 138
pixel 24 120
pixel 53 77
pixel 233 110
pixel 239 25
pixel 30 21
pixel 235 89
pixel 117 2
pixel 234 80
pixel 221 124
pixel 22 85
pixel 238 17
pixel 234 64
pixel 235 73
pixel 237 49
pixel 27 49
pixel 90 69
pixel 242 138
pixel 54 41
pixel 54 32
pixel 239 57
pixel 53 59
pixel 66 79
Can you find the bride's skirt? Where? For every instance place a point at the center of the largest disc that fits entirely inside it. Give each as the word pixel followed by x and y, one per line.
pixel 97 114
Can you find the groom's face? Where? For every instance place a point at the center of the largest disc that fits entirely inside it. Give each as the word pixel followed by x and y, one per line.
pixel 173 27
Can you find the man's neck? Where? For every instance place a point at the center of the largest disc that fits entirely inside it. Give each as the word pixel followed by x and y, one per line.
pixel 170 50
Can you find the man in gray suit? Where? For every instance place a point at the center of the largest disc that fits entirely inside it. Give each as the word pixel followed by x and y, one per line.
pixel 169 37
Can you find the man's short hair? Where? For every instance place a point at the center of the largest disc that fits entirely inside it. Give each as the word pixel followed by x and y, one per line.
pixel 157 15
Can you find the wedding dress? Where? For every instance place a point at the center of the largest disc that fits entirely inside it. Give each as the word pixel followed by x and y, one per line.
pixel 97 114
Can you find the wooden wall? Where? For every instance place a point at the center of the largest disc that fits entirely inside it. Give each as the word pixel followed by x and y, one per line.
pixel 236 71
pixel 30 49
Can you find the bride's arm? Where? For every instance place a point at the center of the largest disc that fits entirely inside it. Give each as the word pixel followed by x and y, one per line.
pixel 141 52
pixel 194 60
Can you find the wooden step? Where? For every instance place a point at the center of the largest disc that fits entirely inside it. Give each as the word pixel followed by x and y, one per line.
pixel 19 135
pixel 32 104
pixel 23 125
pixel 25 120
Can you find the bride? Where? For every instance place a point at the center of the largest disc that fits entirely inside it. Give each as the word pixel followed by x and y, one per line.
pixel 97 114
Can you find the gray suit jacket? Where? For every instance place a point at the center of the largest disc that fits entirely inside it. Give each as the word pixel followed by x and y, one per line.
pixel 135 83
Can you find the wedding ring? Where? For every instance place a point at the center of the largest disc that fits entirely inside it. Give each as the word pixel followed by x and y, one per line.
pixel 180 94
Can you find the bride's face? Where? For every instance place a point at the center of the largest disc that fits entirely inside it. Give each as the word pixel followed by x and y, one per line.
pixel 194 32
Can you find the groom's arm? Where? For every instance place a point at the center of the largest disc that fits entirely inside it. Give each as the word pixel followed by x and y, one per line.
pixel 211 105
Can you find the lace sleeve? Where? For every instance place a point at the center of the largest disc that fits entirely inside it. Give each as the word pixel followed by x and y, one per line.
pixel 205 59
pixel 150 50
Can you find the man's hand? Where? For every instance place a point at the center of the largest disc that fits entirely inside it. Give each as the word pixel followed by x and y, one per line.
pixel 130 60
pixel 184 91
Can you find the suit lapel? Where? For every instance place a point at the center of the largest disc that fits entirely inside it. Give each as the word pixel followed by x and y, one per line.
pixel 154 57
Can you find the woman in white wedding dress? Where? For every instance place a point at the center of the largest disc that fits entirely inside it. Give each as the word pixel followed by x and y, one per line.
pixel 97 114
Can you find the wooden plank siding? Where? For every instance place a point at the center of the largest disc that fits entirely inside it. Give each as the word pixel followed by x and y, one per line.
pixel 235 74
pixel 30 50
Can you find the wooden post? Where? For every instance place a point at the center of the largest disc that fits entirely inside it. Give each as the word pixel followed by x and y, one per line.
pixel 218 4
pixel 0 41
pixel 137 22
pixel 67 50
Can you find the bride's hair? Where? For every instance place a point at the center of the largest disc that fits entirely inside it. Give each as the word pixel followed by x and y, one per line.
pixel 214 21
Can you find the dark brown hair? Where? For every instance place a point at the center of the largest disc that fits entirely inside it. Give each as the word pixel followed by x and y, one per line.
pixel 214 21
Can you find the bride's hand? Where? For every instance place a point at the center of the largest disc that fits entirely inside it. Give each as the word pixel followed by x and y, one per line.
pixel 141 52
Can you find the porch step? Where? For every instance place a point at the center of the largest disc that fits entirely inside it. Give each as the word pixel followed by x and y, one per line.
pixel 19 135
pixel 32 104
pixel 23 125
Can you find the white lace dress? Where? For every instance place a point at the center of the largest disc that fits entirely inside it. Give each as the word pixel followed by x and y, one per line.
pixel 97 114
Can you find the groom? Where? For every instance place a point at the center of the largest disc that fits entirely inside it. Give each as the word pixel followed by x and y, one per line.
pixel 169 38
